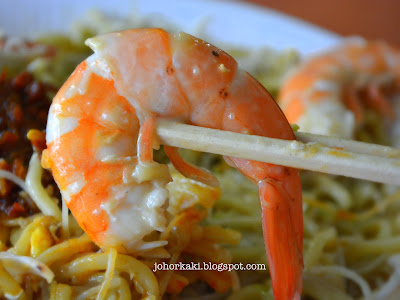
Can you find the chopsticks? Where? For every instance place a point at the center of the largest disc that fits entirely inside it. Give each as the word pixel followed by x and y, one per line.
pixel 309 152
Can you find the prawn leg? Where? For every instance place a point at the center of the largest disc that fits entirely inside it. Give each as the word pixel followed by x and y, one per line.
pixel 188 170
pixel 354 104
pixel 379 102
pixel 145 140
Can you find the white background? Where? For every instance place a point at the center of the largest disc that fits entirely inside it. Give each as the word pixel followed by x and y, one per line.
pixel 227 21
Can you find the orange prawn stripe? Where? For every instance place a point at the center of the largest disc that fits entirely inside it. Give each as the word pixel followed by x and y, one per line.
pixel 202 67
pixel 78 146
pixel 81 145
pixel 98 191
pixel 153 80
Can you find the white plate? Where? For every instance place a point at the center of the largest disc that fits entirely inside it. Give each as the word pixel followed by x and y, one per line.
pixel 231 22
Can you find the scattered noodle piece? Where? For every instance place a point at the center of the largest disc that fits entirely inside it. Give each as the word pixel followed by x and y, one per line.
pixel 35 189
pixel 9 286
pixel 61 292
pixel 23 244
pixel 112 256
pixel 65 220
pixel 67 249
pixel 25 264
pixel 348 273
pixel 145 281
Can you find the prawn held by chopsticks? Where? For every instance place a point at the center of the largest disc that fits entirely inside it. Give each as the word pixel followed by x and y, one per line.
pixel 100 141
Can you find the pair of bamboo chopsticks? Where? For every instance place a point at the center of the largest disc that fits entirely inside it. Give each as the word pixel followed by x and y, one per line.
pixel 309 152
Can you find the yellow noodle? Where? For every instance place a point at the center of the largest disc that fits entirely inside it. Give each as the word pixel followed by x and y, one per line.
pixel 166 275
pixel 314 202
pixel 221 235
pixel 345 272
pixel 67 249
pixel 89 293
pixel 154 253
pixel 315 247
pixel 209 251
pixel 115 282
pixel 235 280
pixel 237 206
pixel 391 289
pixel 35 189
pixel 369 265
pixel 358 248
pixel 53 290
pixel 123 290
pixel 23 243
pixel 310 227
pixel 254 292
pixel 63 292
pixel 379 207
pixel 20 221
pixel 112 256
pixel 237 221
pixel 65 220
pixel 118 287
pixel 24 264
pixel 320 287
pixel 177 282
pixel 15 234
pixel 145 280
pixel 378 229
pixel 327 184
pixel 8 285
pixel 13 178
pixel 4 235
pixel 247 254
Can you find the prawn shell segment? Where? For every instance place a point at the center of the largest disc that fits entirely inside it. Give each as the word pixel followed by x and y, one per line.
pixel 205 74
pixel 91 137
pixel 141 66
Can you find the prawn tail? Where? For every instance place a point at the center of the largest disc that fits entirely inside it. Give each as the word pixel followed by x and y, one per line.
pixel 282 226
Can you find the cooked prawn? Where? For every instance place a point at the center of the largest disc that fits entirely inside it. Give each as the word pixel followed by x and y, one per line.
pixel 329 93
pixel 100 142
